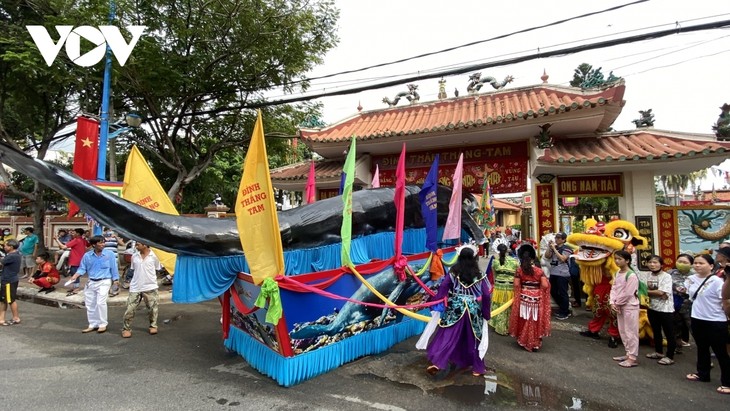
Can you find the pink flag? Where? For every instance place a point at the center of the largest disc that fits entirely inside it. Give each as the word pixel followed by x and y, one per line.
pixel 400 200
pixel 453 221
pixel 310 191
pixel 376 178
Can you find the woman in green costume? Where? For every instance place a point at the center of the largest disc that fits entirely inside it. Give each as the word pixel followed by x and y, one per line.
pixel 504 269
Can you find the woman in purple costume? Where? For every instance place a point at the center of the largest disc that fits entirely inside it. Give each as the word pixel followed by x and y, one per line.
pixel 468 293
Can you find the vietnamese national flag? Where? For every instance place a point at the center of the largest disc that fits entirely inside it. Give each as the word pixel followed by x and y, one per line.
pixel 86 154
pixel 310 190
pixel 452 230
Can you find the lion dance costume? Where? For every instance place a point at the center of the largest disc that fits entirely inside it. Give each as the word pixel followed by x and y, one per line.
pixel 597 267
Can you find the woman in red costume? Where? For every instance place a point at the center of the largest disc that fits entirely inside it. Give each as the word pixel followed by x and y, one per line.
pixel 530 317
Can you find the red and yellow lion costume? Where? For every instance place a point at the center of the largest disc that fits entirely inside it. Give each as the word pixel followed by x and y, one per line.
pixel 597 267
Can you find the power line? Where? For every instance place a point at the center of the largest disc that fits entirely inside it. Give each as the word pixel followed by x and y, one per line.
pixel 361 80
pixel 432 53
pixel 671 52
pixel 470 68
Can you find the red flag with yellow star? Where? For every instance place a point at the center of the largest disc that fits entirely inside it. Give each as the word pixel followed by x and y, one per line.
pixel 86 154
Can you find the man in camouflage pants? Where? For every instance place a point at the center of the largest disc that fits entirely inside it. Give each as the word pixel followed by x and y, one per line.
pixel 143 287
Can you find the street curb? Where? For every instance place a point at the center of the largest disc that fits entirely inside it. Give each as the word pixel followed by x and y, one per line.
pixel 58 297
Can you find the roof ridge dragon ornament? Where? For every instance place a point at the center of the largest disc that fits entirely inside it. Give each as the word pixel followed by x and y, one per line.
pixel 476 82
pixel 412 96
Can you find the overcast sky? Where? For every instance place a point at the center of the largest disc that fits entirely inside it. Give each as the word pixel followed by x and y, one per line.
pixel 684 78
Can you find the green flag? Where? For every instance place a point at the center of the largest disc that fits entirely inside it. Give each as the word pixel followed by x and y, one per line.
pixel 348 174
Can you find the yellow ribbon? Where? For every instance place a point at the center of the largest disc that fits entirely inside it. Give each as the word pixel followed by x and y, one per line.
pixel 502 308
pixel 385 299
pixel 403 311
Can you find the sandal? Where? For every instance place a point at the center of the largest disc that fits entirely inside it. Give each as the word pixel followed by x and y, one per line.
pixel 654 356
pixel 432 370
pixel 723 389
pixel 628 364
pixel 6 323
pixel 621 358
pixel 666 361
pixel 695 377
pixel 15 321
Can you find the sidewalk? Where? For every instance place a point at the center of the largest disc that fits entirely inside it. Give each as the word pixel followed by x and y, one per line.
pixel 29 292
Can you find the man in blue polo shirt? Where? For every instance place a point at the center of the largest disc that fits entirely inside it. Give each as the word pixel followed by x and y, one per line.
pixel 101 266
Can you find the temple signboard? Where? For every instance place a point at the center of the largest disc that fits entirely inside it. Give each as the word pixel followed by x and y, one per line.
pixel 600 185
pixel 644 224
pixel 545 202
pixel 504 164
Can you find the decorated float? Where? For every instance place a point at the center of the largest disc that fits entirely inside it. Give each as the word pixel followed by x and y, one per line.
pixel 305 290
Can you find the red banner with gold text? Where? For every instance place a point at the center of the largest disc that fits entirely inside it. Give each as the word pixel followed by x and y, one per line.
pixel 545 202
pixel 668 240
pixel 505 165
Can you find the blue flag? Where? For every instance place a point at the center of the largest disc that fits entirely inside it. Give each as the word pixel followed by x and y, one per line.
pixel 429 204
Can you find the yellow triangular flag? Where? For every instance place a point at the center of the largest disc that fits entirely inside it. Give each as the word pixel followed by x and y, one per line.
pixel 258 223
pixel 141 187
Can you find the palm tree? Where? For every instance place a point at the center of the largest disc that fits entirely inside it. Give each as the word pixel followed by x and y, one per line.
pixel 678 183
pixel 696 178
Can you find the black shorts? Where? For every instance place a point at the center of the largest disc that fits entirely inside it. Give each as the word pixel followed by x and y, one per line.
pixel 8 292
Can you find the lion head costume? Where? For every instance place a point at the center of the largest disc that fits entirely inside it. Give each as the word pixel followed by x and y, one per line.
pixel 596 247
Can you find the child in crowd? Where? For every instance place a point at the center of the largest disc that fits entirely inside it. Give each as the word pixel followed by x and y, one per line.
pixel 47 275
pixel 624 301
pixel 661 310
pixel 682 305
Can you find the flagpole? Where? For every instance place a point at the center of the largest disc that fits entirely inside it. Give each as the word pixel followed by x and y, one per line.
pixel 106 91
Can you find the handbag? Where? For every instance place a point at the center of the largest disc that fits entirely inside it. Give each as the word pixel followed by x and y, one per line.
pixel 700 287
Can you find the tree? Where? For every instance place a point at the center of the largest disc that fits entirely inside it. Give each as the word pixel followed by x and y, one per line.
pixel 678 183
pixel 192 76
pixel 580 74
pixel 36 100
pixel 602 208
pixel 695 179
pixel 200 65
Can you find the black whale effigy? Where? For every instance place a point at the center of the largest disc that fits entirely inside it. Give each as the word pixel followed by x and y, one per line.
pixel 311 225
pixel 316 332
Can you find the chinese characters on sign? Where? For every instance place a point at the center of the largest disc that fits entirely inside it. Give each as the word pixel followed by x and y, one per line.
pixel 545 201
pixel 505 165
pixel 668 240
pixel 644 225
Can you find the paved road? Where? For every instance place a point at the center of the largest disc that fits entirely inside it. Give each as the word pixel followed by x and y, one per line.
pixel 48 364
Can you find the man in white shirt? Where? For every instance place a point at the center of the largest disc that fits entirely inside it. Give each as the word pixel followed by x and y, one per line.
pixel 143 287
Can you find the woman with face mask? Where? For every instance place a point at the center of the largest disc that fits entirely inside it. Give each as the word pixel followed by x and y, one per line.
pixel 682 305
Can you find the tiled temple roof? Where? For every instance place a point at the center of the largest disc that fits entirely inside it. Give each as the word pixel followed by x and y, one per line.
pixel 629 146
pixel 504 106
pixel 325 169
